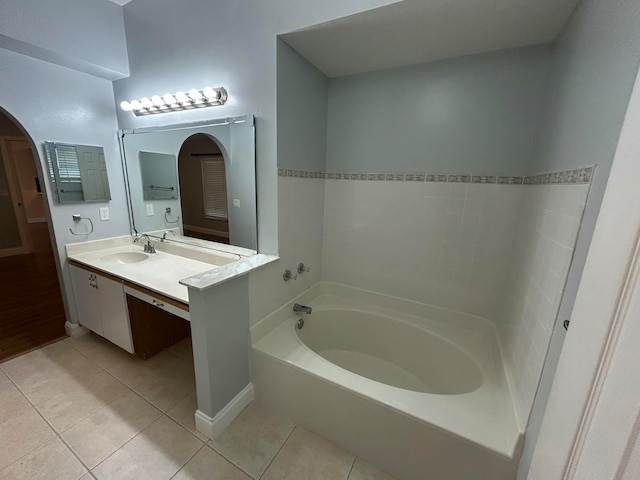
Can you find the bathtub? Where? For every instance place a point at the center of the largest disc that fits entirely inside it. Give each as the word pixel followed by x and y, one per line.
pixel 416 390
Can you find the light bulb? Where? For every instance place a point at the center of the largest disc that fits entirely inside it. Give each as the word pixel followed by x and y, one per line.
pixel 182 98
pixel 195 95
pixel 136 105
pixel 146 102
pixel 126 106
pixel 210 93
pixel 157 101
pixel 169 99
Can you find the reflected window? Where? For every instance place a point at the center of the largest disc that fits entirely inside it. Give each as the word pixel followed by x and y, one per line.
pixel 214 188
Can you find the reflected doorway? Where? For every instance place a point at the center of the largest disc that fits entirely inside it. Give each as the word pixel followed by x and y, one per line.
pixel 203 189
pixel 31 307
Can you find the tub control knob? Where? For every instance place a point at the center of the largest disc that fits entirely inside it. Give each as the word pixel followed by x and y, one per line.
pixel 287 275
pixel 301 268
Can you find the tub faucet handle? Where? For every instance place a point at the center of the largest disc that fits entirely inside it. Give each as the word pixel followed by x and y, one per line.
pixel 301 308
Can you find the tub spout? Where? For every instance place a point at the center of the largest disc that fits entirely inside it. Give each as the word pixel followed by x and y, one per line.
pixel 301 308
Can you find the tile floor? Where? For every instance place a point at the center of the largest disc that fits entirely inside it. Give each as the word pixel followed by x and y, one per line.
pixel 84 409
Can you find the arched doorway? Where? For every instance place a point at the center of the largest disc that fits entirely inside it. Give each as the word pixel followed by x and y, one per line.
pixel 203 189
pixel 31 306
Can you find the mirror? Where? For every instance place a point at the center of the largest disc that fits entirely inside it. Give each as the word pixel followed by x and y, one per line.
pixel 78 173
pixel 159 175
pixel 196 179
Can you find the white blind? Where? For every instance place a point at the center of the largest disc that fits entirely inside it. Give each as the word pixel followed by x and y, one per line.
pixel 66 159
pixel 214 187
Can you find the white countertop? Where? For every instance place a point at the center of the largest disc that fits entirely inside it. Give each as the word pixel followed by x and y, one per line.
pixel 170 274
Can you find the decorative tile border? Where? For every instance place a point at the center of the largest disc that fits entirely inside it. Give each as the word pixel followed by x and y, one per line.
pixel 567 177
pixel 579 175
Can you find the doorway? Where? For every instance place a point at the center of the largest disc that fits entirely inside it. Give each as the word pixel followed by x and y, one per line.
pixel 203 189
pixel 31 306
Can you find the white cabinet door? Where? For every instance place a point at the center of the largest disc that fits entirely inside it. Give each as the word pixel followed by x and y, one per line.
pixel 113 312
pixel 86 298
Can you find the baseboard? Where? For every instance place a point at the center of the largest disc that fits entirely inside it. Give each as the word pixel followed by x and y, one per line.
pixel 75 329
pixel 212 427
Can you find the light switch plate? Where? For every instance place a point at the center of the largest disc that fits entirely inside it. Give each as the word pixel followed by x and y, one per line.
pixel 149 209
pixel 236 202
pixel 104 214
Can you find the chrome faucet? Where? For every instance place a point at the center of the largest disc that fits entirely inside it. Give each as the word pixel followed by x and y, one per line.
pixel 164 235
pixel 148 248
pixel 301 308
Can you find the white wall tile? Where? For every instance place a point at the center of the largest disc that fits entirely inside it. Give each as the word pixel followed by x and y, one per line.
pixel 498 251
pixel 546 233
pixel 440 243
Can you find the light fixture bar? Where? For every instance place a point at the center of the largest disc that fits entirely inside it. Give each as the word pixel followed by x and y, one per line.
pixel 207 97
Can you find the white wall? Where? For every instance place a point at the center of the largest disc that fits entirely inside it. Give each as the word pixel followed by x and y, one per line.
pixel 595 61
pixel 592 415
pixel 85 35
pixel 233 46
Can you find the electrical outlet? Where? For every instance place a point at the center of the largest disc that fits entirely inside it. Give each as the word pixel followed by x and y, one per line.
pixel 104 214
pixel 149 209
pixel 236 202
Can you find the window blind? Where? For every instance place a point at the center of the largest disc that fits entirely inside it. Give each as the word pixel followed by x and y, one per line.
pixel 214 187
pixel 66 159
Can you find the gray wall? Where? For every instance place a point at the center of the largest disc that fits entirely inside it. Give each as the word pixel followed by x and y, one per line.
pixel 59 103
pixel 595 63
pixel 86 35
pixel 234 47
pixel 69 107
pixel 302 112
pixel 476 114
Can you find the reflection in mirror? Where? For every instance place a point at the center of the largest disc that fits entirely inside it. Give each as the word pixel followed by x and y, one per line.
pixel 211 165
pixel 78 173
pixel 159 175
pixel 203 189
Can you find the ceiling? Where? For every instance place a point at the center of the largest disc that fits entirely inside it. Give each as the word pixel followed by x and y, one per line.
pixel 418 31
pixel 409 32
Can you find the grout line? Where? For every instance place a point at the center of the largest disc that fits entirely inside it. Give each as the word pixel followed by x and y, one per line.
pixel 188 460
pixel 133 388
pixel 279 450
pixel 162 413
pixel 352 465
pixel 56 433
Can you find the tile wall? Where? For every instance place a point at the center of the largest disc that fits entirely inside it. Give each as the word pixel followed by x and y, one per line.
pixel 300 226
pixel 442 243
pixel 546 233
pixel 495 246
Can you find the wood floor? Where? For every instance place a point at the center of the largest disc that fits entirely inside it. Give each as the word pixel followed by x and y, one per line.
pixel 31 309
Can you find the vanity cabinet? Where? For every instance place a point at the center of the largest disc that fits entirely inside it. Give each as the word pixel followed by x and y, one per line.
pixel 101 305
pixel 157 322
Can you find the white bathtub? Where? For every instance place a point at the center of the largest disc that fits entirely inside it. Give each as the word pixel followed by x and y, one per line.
pixel 416 390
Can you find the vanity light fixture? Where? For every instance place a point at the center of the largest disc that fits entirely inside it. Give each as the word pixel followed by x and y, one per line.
pixel 207 97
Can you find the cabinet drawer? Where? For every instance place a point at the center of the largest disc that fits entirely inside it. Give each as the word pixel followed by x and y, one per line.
pixel 172 306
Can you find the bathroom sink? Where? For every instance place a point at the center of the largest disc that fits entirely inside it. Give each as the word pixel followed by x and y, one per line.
pixel 126 257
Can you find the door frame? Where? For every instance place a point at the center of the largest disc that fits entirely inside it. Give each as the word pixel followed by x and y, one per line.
pixel 16 197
